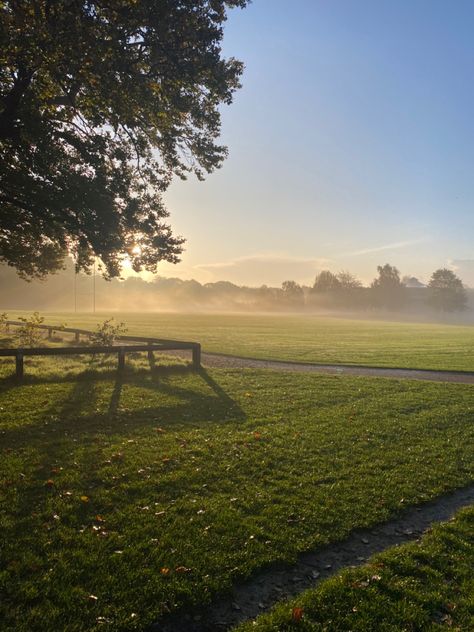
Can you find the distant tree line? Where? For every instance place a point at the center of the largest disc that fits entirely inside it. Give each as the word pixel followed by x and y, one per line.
pixel 330 291
pixel 444 292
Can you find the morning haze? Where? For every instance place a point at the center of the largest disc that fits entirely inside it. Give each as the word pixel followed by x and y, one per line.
pixel 236 315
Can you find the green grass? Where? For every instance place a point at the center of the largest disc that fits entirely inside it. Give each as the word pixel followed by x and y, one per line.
pixel 125 497
pixel 306 338
pixel 427 585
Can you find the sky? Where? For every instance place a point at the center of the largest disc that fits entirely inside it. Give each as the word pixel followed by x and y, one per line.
pixel 351 145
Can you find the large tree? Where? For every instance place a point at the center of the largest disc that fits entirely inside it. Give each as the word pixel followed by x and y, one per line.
pixel 387 289
pixel 326 281
pixel 101 103
pixel 446 291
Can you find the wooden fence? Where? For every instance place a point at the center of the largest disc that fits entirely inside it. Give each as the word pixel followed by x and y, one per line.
pixel 149 345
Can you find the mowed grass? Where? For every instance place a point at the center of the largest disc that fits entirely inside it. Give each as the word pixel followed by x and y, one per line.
pixel 305 338
pixel 427 585
pixel 126 497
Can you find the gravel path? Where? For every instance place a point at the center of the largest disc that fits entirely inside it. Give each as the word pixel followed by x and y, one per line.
pixel 236 362
pixel 266 588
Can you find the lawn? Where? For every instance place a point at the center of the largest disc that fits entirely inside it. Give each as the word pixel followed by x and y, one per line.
pixel 306 338
pixel 127 497
pixel 427 585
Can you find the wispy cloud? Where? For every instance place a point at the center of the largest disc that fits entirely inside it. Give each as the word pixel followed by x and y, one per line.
pixel 393 246
pixel 271 268
pixel 265 258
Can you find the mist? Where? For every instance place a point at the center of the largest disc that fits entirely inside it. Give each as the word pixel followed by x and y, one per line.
pixel 69 292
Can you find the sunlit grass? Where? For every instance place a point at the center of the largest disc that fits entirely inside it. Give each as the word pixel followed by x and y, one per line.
pixel 306 338
pixel 127 496
pixel 420 586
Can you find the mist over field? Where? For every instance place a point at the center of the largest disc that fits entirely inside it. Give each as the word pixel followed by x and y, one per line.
pixel 69 292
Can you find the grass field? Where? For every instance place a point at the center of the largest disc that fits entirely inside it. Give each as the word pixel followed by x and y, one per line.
pixel 306 338
pixel 127 497
pixel 421 586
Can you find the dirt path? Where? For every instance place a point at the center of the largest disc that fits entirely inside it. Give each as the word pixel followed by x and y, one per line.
pixel 236 362
pixel 266 588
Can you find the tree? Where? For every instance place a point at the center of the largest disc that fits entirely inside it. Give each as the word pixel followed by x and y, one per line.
pixel 292 293
pixel 447 291
pixel 389 278
pixel 326 281
pixel 387 289
pixel 348 281
pixel 101 103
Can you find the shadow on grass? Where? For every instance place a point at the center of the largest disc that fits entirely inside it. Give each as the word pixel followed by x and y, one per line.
pixel 82 413
pixel 95 414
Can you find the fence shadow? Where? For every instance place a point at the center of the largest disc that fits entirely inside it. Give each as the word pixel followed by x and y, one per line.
pixel 83 412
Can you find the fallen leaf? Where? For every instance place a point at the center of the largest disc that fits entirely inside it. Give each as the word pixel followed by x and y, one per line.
pixel 297 614
pixel 85 499
pixel 165 571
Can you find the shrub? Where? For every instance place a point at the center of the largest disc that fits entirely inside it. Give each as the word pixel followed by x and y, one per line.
pixel 107 333
pixel 29 334
pixel 3 321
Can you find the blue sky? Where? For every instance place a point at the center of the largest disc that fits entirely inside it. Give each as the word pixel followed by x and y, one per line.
pixel 351 145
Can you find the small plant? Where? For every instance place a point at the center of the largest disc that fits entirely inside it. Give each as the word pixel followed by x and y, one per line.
pixel 3 321
pixel 29 334
pixel 107 333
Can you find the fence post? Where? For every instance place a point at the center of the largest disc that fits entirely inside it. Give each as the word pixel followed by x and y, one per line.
pixel 50 332
pixel 77 336
pixel 151 355
pixel 197 356
pixel 19 365
pixel 121 359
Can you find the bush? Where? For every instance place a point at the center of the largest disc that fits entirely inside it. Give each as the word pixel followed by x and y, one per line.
pixel 107 333
pixel 3 321
pixel 29 334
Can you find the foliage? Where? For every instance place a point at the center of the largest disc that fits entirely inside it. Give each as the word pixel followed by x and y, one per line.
pixel 107 332
pixel 326 281
pixel 348 281
pixel 292 292
pixel 29 334
pixel 447 292
pixel 101 103
pixel 388 290
pixel 389 278
pixel 425 585
pixel 102 487
pixel 3 321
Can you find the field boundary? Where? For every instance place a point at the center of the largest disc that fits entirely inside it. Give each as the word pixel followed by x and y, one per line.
pixel 149 345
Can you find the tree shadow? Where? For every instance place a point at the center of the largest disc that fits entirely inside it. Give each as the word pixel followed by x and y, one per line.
pixel 79 412
pixel 80 430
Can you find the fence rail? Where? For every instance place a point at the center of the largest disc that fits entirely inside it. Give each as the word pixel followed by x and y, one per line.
pixel 150 345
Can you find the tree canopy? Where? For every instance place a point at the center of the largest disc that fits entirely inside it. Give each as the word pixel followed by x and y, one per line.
pixel 101 103
pixel 326 281
pixel 447 291
pixel 389 278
